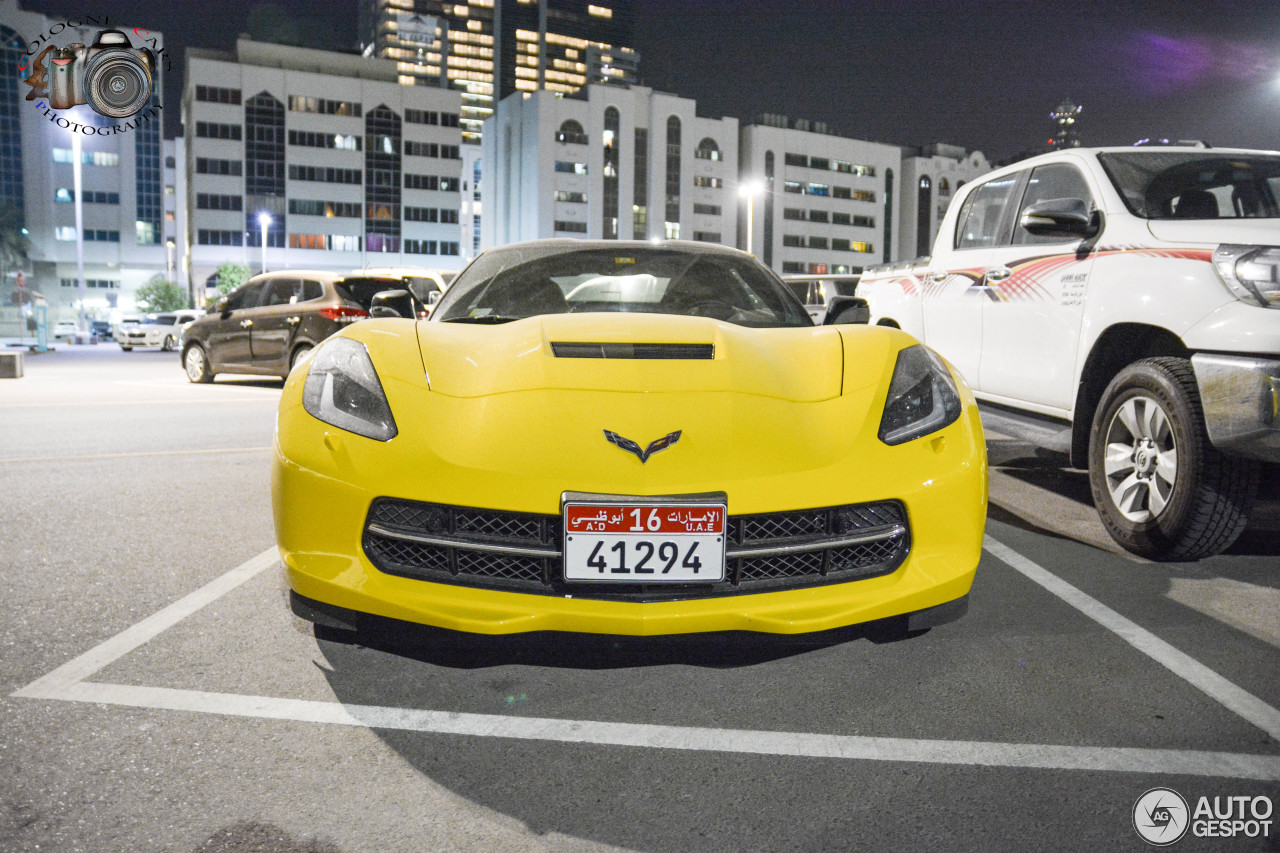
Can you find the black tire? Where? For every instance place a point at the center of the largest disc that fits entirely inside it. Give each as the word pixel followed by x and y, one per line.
pixel 195 363
pixel 167 346
pixel 125 348
pixel 297 355
pixel 1184 500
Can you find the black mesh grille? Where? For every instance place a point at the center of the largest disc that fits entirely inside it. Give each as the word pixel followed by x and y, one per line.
pixel 464 532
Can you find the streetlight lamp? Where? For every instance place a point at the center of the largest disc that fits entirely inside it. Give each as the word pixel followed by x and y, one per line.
pixel 750 189
pixel 264 222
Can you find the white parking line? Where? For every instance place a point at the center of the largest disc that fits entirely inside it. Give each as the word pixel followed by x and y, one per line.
pixel 1179 663
pixel 67 682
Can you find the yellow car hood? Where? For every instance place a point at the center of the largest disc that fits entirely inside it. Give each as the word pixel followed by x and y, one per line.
pixel 476 360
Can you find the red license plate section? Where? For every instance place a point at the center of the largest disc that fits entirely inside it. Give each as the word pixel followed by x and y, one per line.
pixel 644 543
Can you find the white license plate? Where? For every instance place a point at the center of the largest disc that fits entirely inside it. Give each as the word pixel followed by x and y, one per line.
pixel 620 542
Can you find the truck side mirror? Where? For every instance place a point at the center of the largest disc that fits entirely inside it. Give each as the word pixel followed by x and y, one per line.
pixel 392 303
pixel 843 310
pixel 1059 217
pixel 433 297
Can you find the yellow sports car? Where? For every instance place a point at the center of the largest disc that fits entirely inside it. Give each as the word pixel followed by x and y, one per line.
pixel 627 438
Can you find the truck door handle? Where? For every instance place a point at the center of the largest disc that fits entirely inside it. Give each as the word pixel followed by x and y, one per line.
pixel 934 277
pixel 244 324
pixel 293 321
pixel 999 275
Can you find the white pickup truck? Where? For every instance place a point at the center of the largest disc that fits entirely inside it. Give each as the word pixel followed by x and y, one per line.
pixel 1122 301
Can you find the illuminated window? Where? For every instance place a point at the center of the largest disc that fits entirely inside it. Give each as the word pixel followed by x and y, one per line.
pixel 600 11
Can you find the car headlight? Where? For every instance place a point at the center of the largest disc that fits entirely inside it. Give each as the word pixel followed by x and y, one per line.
pixel 922 397
pixel 1252 273
pixel 342 389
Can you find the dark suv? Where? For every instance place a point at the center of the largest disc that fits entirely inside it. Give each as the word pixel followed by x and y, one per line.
pixel 269 322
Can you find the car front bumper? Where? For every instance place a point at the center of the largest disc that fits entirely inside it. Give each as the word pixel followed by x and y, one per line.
pixel 1241 400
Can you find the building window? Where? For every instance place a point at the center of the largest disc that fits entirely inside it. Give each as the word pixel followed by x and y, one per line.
pixel 571 227
pixel 62 194
pixel 448 120
pixel 816 242
pixel 208 166
pixel 421 182
pixel 707 236
pixel 216 130
pixel 571 168
pixel 422 117
pixel 301 104
pixel 326 175
pixel 383 180
pixel 611 157
pixel 218 95
pixel 792 266
pixel 448 216
pixel 924 203
pixel 793 213
pixel 449 247
pixel 707 150
pixel 264 169
pixel 640 202
pixel 571 197
pixel 421 214
pixel 328 209
pixel 421 247
pixel 706 209
pixel 888 213
pixel 818 216
pixel 793 240
pixel 311 139
pixel 819 163
pixel 819 189
pixel 93 283
pixel 796 160
pixel 707 181
pixel 672 211
pixel 571 133
pixel 450 185
pixel 12 48
pixel 422 149
pixel 207 237
pixel 208 201
pixel 792 187
pixel 87 158
pixel 768 208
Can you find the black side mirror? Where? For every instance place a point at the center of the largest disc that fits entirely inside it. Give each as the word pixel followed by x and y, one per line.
pixel 392 303
pixel 843 310
pixel 424 291
pixel 1059 217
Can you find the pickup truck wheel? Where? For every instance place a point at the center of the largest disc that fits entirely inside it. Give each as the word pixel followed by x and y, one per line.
pixel 1162 490
pixel 196 365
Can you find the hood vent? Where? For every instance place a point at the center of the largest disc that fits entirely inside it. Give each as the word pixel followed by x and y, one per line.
pixel 567 349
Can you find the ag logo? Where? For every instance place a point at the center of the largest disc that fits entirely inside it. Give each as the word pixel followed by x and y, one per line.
pixel 1161 817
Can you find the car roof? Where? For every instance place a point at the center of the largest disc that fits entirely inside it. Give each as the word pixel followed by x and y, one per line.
pixel 328 275
pixel 573 244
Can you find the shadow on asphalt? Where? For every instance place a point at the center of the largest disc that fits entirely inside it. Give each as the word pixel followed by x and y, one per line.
pixel 719 650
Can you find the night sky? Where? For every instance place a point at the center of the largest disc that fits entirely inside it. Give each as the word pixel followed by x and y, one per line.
pixel 979 74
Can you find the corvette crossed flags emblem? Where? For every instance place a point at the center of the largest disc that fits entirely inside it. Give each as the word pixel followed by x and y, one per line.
pixel 643 455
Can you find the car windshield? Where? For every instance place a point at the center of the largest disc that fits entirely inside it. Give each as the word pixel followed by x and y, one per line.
pixel 1195 185
pixel 362 289
pixel 523 281
pixel 159 320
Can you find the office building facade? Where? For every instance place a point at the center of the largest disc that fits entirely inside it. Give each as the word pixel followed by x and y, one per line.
pixel 930 178
pixel 129 199
pixel 609 163
pixel 349 167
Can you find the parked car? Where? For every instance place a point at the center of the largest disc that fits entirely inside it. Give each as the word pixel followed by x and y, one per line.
pixel 155 330
pixel 818 291
pixel 618 437
pixel 425 286
pixel 1118 305
pixel 101 329
pixel 64 329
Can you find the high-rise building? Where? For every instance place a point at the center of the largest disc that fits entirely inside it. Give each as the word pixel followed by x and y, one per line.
pixel 346 167
pixel 610 162
pixel 128 201
pixel 488 49
pixel 1066 128
pixel 933 173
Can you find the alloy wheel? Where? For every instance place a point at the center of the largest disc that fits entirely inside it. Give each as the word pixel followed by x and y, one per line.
pixel 1141 459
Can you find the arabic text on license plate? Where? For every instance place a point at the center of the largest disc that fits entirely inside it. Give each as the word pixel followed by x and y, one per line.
pixel 644 543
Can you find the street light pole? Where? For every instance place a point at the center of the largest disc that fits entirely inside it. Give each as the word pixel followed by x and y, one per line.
pixel 77 189
pixel 750 189
pixel 264 221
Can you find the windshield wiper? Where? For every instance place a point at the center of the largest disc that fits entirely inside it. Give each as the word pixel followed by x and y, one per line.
pixel 490 319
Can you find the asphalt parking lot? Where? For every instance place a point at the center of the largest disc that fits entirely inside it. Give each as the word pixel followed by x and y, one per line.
pixel 157 694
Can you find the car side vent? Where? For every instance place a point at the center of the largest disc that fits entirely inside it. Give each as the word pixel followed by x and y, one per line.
pixel 567 349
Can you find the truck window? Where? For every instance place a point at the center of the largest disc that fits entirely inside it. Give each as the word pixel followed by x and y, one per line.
pixel 978 225
pixel 1056 180
pixel 1195 185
